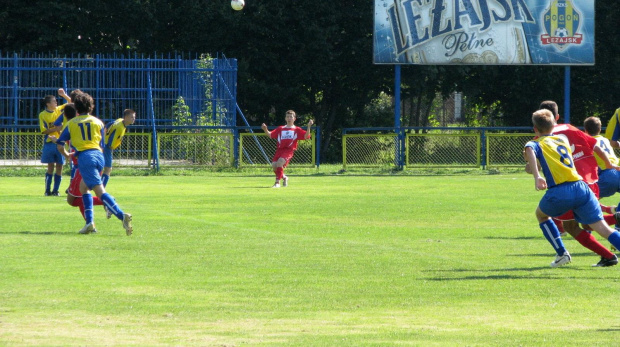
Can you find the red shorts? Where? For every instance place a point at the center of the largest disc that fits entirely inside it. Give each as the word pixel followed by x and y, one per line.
pixel 74 186
pixel 569 215
pixel 285 153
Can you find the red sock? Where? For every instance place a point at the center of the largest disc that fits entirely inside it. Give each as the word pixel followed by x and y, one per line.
pixel 80 204
pixel 97 201
pixel 279 173
pixel 610 219
pixel 606 209
pixel 589 242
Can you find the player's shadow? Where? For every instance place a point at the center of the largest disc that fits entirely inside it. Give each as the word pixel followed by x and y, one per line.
pixel 488 274
pixel 513 238
pixel 259 187
pixel 549 255
pixel 44 233
pixel 34 233
pixel 611 330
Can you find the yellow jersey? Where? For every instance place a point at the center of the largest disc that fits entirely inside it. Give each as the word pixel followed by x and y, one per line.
pixel 114 133
pixel 85 132
pixel 613 129
pixel 603 142
pixel 556 159
pixel 47 120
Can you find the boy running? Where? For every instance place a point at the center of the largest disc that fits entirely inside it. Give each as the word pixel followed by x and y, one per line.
pixel 567 191
pixel 86 132
pixel 287 136
pixel 114 133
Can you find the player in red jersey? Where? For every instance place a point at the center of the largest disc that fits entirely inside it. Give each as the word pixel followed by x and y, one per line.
pixel 74 196
pixel 287 136
pixel 583 148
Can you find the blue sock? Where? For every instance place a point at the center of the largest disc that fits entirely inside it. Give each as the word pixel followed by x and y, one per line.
pixel 57 180
pixel 89 214
pixel 105 178
pixel 552 234
pixel 110 203
pixel 614 239
pixel 48 182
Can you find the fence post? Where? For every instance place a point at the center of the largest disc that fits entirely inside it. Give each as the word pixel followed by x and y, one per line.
pixel 317 140
pixel 97 83
pixel 236 139
pixel 483 149
pixel 15 91
pixel 152 112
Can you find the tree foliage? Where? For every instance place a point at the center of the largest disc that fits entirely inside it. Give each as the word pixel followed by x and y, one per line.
pixel 311 56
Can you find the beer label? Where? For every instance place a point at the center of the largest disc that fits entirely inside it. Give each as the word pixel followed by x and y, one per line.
pixel 483 32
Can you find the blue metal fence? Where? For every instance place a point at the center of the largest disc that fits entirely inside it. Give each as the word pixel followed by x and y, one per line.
pixel 117 82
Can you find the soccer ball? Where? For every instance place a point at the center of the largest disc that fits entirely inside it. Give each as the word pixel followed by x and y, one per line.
pixel 237 5
pixel 561 32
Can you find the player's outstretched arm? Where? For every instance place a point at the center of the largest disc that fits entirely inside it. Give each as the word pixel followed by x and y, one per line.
pixel 603 155
pixel 307 136
pixel 61 93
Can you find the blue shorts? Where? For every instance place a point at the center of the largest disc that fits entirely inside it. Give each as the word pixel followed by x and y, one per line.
pixel 51 154
pixel 608 182
pixel 107 156
pixel 575 196
pixel 90 164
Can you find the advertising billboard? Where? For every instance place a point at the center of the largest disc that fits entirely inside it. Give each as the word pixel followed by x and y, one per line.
pixel 484 32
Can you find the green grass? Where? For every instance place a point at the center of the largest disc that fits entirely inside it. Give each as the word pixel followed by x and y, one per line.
pixel 219 260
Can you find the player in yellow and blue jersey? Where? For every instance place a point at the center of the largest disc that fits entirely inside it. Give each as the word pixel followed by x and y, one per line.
pixel 566 190
pixel 114 133
pixel 62 119
pixel 86 133
pixel 50 154
pixel 613 130
pixel 609 179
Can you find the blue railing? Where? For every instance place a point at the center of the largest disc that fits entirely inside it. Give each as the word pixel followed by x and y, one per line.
pixel 117 82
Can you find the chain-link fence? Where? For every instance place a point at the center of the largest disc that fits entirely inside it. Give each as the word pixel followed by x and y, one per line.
pixel 20 149
pixel 134 151
pixel 216 148
pixel 506 149
pixel 451 150
pixel 196 149
pixel 369 150
pixel 257 149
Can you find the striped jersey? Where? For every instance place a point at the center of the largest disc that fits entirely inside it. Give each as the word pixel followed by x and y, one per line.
pixel 84 131
pixel 556 160
pixel 47 120
pixel 114 133
pixel 613 130
pixel 582 149
pixel 603 142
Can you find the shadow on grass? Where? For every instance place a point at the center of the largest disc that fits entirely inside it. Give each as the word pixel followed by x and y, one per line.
pixel 56 233
pixel 536 269
pixel 609 330
pixel 35 233
pixel 246 187
pixel 551 255
pixel 513 238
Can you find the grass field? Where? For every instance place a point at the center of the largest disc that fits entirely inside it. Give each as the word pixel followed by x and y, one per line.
pixel 329 261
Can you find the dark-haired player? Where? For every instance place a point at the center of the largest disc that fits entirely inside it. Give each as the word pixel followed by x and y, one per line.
pixel 86 132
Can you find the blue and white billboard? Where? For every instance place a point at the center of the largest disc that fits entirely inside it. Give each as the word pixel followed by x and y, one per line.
pixel 484 32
